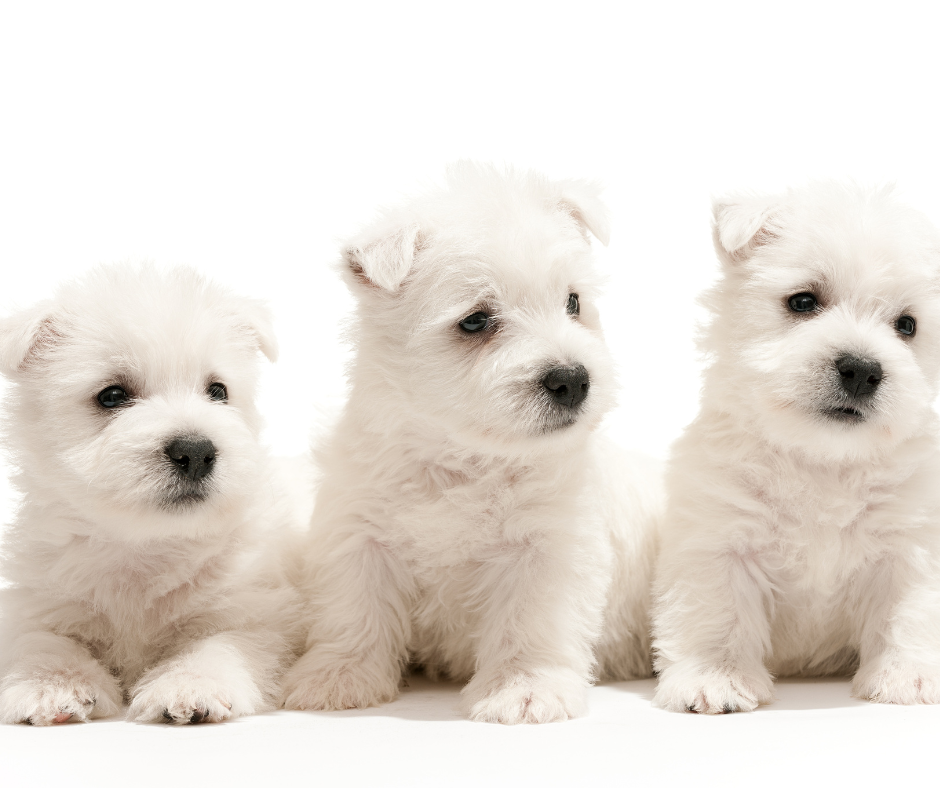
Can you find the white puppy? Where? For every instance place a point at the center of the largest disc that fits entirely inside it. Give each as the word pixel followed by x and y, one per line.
pixel 470 518
pixel 134 563
pixel 803 528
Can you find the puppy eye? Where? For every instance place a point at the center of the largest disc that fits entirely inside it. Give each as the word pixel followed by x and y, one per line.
pixel 217 392
pixel 906 325
pixel 475 322
pixel 574 305
pixel 112 397
pixel 803 302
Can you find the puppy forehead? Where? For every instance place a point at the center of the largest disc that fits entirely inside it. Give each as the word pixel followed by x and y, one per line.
pixel 513 265
pixel 156 334
pixel 860 251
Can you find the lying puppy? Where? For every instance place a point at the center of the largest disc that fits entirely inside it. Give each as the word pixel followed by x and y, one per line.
pixel 803 529
pixel 135 564
pixel 469 518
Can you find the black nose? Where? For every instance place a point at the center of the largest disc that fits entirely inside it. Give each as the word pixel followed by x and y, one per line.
pixel 193 456
pixel 859 376
pixel 568 385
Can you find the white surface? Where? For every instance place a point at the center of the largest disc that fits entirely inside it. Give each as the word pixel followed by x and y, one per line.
pixel 815 734
pixel 247 139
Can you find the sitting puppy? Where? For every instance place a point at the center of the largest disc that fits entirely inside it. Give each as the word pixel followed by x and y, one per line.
pixel 470 519
pixel 803 527
pixel 134 563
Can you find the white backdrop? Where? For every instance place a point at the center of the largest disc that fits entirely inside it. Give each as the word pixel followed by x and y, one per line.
pixel 249 139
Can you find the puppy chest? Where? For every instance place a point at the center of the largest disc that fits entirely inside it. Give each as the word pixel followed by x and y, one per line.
pixel 453 526
pixel 824 522
pixel 816 583
pixel 815 564
pixel 822 551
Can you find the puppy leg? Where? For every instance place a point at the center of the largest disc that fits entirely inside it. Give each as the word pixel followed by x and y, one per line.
pixel 899 654
pixel 711 633
pixel 53 679
pixel 541 615
pixel 357 642
pixel 227 675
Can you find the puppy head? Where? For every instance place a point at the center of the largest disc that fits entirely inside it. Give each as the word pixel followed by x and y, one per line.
pixel 827 329
pixel 133 398
pixel 477 310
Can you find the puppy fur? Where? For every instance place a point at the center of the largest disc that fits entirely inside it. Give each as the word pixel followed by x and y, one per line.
pixel 466 522
pixel 125 580
pixel 803 528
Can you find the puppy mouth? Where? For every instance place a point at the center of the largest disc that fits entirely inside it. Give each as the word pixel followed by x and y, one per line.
pixel 185 497
pixel 557 427
pixel 557 421
pixel 845 414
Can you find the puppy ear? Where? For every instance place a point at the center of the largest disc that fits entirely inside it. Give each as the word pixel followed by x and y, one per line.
pixel 384 262
pixel 742 225
pixel 582 200
pixel 24 335
pixel 255 317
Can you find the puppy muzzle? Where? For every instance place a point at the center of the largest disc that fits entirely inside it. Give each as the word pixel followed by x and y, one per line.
pixel 858 381
pixel 192 459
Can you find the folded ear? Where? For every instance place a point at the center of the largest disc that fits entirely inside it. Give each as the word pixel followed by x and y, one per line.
pixel 383 262
pixel 742 225
pixel 582 200
pixel 24 334
pixel 255 317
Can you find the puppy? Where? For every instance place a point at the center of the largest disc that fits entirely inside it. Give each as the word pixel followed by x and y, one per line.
pixel 470 518
pixel 135 565
pixel 803 527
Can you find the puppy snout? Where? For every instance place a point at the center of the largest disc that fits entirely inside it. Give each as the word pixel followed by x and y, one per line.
pixel 568 385
pixel 193 456
pixel 859 376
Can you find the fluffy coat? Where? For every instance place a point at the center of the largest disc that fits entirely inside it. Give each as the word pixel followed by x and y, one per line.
pixel 464 523
pixel 127 582
pixel 802 534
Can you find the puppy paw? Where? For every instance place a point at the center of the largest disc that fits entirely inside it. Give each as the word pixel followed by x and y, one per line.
pixel 316 684
pixel 181 698
pixel 712 691
pixel 519 697
pixel 56 696
pixel 901 684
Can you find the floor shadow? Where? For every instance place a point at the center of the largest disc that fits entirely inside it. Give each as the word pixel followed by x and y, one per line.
pixel 639 688
pixel 813 694
pixel 793 694
pixel 421 700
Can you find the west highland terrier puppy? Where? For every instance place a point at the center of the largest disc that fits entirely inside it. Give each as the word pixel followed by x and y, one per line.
pixel 803 527
pixel 470 519
pixel 136 569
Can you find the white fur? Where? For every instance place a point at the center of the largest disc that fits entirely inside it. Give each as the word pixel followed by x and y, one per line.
pixel 185 610
pixel 458 525
pixel 796 544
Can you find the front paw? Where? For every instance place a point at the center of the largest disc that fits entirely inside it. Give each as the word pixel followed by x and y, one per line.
pixel 898 683
pixel 511 698
pixel 321 683
pixel 712 691
pixel 180 697
pixel 53 696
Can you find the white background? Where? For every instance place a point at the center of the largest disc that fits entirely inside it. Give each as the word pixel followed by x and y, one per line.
pixel 249 139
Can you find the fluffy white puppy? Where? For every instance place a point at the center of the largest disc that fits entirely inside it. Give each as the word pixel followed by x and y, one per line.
pixel 135 566
pixel 469 518
pixel 803 525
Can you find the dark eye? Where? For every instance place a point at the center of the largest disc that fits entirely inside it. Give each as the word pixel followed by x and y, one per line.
pixel 906 325
pixel 112 397
pixel 574 305
pixel 217 392
pixel 475 322
pixel 802 302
